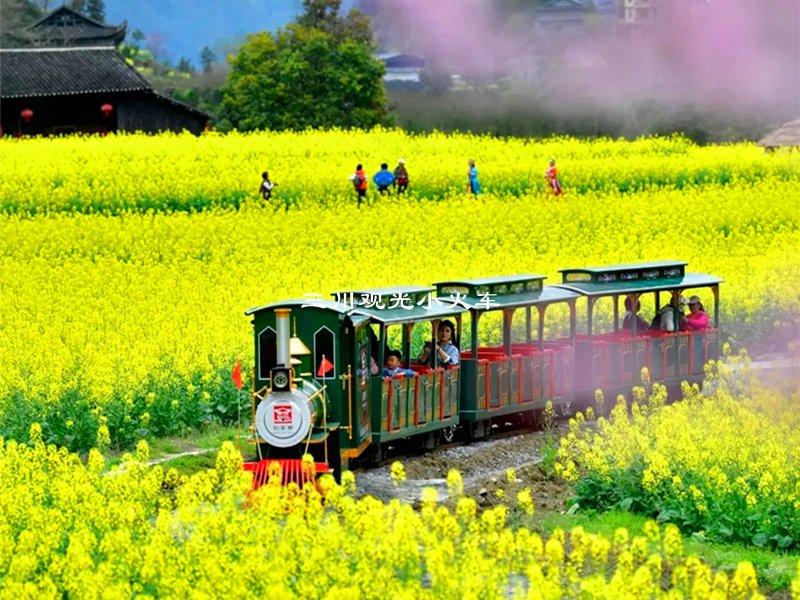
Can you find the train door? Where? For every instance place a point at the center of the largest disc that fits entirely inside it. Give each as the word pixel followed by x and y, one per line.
pixel 364 360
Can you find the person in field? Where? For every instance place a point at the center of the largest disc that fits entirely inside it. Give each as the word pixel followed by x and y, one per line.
pixel 473 185
pixel 401 176
pixel 551 175
pixel 383 179
pixel 266 186
pixel 359 180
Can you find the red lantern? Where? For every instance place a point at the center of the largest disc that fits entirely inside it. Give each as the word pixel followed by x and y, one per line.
pixel 26 114
pixel 106 108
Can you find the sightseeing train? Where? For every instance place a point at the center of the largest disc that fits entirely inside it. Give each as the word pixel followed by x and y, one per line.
pixel 318 386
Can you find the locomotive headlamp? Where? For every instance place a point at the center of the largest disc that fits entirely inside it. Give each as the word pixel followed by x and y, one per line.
pixel 281 381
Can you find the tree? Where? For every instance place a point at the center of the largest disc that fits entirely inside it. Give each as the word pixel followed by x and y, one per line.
pixel 184 66
pixel 324 16
pixel 96 9
pixel 77 5
pixel 207 58
pixel 14 16
pixel 318 72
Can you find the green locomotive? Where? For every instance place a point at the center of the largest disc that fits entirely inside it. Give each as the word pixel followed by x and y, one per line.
pixel 319 389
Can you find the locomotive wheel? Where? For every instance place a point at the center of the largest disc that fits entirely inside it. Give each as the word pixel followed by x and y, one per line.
pixel 530 419
pixel 448 434
pixel 377 455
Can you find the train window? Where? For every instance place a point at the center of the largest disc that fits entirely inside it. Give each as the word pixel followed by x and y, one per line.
pixel 501 289
pixel 267 352
pixel 517 288
pixel 420 334
pixel 324 354
pixel 603 315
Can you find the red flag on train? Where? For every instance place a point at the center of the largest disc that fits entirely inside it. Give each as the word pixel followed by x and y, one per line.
pixel 324 366
pixel 236 375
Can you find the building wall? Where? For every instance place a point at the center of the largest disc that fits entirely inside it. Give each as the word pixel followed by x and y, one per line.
pixel 81 114
pixel 150 114
pixel 54 115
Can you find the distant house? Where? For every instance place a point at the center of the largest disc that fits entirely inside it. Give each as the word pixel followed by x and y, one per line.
pixel 402 70
pixel 562 17
pixel 610 9
pixel 66 27
pixel 640 16
pixel 641 12
pixel 47 91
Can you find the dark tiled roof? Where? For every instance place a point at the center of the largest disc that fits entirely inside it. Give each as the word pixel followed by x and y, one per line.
pixel 58 71
pixel 64 15
pixel 66 27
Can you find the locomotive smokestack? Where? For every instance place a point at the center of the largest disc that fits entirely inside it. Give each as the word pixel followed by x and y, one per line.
pixel 282 325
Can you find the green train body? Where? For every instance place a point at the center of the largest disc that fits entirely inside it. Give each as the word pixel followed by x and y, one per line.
pixel 315 391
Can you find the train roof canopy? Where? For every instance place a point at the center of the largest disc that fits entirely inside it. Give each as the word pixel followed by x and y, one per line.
pixel 633 278
pixel 314 302
pixel 369 296
pixel 399 314
pixel 492 293
pixel 391 308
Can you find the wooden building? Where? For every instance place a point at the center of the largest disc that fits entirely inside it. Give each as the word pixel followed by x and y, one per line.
pixel 66 27
pixel 49 91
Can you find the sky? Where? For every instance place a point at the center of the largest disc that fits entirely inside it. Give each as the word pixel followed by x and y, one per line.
pixel 184 27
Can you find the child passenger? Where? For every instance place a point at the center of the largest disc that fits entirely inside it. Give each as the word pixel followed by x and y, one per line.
pixel 394 366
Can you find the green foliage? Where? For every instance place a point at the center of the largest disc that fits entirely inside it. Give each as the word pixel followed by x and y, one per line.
pixel 207 57
pixel 775 569
pixel 303 78
pixel 96 9
pixel 323 15
pixel 15 15
pixel 318 72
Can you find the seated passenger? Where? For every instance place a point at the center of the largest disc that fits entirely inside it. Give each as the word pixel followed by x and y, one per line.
pixel 632 307
pixel 446 352
pixel 665 318
pixel 697 319
pixel 394 365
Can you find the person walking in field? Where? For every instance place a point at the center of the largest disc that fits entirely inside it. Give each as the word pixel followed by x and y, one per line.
pixel 383 179
pixel 551 175
pixel 401 176
pixel 473 185
pixel 266 186
pixel 359 180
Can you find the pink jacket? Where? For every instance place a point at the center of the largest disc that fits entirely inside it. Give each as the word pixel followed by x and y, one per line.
pixel 697 322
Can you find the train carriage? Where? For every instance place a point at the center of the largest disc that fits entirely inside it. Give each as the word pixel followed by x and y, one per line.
pixel 515 377
pixel 613 360
pixel 425 406
pixel 301 385
pixel 318 387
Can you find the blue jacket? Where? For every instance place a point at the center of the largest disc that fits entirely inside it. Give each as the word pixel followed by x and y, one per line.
pixel 397 371
pixel 473 180
pixel 383 178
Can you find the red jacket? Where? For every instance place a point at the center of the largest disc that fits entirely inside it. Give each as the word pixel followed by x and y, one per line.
pixel 363 185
